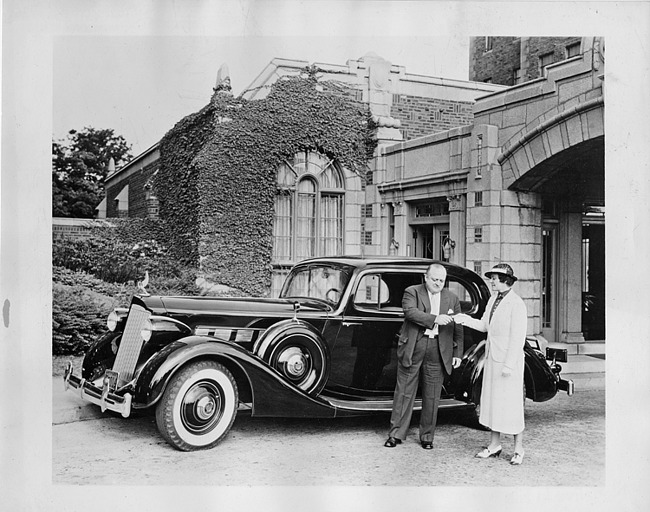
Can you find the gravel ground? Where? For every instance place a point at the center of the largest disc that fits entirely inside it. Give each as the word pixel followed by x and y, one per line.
pixel 565 446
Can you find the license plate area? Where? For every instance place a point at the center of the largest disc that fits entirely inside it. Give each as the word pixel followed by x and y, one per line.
pixel 111 379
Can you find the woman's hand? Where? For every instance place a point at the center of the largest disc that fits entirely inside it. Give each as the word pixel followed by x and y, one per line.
pixel 461 318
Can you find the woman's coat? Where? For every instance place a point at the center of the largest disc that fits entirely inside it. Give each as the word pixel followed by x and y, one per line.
pixel 502 398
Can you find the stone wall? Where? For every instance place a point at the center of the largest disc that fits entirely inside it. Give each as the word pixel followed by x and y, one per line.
pixel 509 53
pixel 421 116
pixel 495 65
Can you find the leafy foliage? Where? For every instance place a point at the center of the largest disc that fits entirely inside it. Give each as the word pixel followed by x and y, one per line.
pixel 78 318
pixel 79 167
pixel 119 253
pixel 217 177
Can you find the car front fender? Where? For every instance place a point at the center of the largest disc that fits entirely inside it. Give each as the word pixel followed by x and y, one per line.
pixel 270 393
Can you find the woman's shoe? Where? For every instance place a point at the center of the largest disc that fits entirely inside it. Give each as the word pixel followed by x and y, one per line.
pixel 517 459
pixel 487 452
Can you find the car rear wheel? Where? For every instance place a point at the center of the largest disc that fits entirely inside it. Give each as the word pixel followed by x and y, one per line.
pixel 198 406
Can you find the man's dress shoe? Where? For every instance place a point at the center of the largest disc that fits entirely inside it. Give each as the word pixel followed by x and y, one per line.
pixel 392 442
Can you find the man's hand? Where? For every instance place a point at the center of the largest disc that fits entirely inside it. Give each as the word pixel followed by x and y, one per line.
pixel 455 362
pixel 444 319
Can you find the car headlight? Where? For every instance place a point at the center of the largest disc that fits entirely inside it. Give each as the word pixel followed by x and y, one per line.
pixel 146 330
pixel 112 320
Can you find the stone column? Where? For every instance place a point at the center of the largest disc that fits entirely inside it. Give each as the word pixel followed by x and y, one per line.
pixel 570 274
pixel 457 228
pixel 402 231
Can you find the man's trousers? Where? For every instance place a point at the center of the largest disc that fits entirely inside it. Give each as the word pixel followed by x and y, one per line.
pixel 427 367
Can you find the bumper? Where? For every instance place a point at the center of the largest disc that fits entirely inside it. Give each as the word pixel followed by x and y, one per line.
pixel 565 385
pixel 102 396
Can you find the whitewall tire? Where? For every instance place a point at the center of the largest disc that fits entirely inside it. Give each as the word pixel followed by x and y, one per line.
pixel 198 406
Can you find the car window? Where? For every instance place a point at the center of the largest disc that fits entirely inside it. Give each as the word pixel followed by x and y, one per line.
pixel 384 290
pixel 316 282
pixel 467 303
pixel 372 291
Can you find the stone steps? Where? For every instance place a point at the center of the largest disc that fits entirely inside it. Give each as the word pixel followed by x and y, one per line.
pixel 588 347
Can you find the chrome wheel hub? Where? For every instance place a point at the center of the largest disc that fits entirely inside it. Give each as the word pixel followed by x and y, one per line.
pixel 293 362
pixel 205 407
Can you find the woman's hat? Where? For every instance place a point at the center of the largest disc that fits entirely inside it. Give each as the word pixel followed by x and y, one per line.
pixel 503 269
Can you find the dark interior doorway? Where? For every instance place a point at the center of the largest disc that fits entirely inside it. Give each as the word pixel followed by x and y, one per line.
pixel 593 287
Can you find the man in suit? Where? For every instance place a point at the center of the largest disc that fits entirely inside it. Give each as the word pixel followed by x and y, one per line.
pixel 430 345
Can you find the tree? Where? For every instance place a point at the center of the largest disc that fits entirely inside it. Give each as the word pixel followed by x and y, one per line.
pixel 79 167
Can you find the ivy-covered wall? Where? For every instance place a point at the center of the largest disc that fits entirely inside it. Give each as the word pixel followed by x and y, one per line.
pixel 219 167
pixel 176 182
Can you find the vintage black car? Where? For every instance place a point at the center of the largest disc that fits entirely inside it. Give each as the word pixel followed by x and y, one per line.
pixel 325 348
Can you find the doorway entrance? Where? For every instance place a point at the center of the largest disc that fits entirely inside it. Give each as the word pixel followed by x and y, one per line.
pixel 593 280
pixel 549 282
pixel 429 239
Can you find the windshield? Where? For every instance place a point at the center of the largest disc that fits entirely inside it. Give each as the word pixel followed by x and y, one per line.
pixel 321 282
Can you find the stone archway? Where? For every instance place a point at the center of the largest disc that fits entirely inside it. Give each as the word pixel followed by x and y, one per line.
pixel 561 157
pixel 544 146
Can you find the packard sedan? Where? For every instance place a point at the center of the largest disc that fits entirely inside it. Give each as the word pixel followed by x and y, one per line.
pixel 325 348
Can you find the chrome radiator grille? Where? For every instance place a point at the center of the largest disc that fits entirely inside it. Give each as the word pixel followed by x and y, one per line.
pixel 131 344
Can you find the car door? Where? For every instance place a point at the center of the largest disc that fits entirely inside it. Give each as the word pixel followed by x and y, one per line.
pixel 364 360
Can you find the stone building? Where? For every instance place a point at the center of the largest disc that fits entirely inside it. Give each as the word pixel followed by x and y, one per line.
pixel 515 60
pixel 524 183
pixel 403 106
pixel 465 171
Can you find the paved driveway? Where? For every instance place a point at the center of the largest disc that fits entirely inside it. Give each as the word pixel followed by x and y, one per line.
pixel 565 446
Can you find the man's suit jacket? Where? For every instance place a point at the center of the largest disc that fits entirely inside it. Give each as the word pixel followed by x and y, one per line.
pixel 417 318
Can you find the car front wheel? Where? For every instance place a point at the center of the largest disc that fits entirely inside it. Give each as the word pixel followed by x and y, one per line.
pixel 198 406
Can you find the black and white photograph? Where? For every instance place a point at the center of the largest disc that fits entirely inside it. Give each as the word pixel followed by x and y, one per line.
pixel 335 255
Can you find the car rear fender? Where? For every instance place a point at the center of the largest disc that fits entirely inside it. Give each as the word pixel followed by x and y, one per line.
pixel 470 372
pixel 541 383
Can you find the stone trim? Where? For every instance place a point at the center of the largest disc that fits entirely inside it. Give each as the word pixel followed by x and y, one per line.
pixel 544 126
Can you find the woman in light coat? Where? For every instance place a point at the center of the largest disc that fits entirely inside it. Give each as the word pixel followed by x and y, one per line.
pixel 502 400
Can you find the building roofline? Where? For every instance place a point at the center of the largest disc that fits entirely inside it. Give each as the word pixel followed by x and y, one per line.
pixel 135 160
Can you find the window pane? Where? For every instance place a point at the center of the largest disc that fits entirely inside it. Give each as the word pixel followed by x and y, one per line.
pixel 282 226
pixel 330 178
pixel 286 177
pixel 299 166
pixel 331 216
pixel 316 162
pixel 306 220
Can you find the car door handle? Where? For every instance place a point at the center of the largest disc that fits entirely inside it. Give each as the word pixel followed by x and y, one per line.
pixel 348 324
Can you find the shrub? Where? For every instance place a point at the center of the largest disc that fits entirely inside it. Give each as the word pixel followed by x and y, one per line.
pixel 78 318
pixel 81 303
pixel 119 253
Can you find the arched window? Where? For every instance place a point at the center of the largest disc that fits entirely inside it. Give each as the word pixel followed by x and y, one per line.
pixel 308 209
